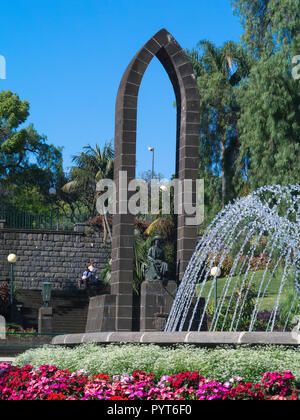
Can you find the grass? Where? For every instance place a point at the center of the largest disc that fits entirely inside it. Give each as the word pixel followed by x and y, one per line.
pixel 219 363
pixel 270 297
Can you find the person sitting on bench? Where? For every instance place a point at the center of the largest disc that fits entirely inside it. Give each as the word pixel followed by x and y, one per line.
pixel 93 271
pixel 84 279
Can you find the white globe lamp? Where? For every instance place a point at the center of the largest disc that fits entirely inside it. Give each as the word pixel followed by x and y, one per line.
pixel 215 272
pixel 12 258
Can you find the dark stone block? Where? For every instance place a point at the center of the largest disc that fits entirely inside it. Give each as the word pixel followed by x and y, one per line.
pixel 179 59
pixel 145 56
pixel 155 299
pixel 192 94
pixel 190 140
pixel 187 173
pixel 139 66
pixel 123 288
pixel 123 219
pixel 192 104
pixel 190 152
pixel 129 113
pixel 192 128
pixel 123 241
pixel 129 137
pixel 189 232
pixel 102 314
pixel 118 253
pixel 127 102
pixel 186 70
pixel 122 264
pixel 172 48
pixel 187 244
pixel 123 324
pixel 124 229
pixel 163 37
pixel 153 46
pixel 135 77
pixel 193 117
pixel 189 81
pixel 131 89
pixel 127 159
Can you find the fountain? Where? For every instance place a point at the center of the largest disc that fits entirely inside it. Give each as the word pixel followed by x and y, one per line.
pixel 261 229
pixel 261 233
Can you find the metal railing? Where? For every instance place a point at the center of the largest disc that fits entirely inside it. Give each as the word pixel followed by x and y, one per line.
pixel 26 220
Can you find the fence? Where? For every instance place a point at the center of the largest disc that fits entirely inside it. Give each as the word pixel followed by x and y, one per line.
pixel 25 220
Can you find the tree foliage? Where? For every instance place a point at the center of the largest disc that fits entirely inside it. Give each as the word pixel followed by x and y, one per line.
pixel 91 165
pixel 269 25
pixel 250 104
pixel 269 122
pixel 28 164
pixel 219 71
pixel 269 125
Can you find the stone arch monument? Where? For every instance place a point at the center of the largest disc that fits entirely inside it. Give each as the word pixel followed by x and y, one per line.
pixel 181 74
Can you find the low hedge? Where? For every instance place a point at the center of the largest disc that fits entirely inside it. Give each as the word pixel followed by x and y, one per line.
pixel 219 363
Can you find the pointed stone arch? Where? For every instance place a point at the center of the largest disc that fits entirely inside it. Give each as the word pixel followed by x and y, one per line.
pixel 181 74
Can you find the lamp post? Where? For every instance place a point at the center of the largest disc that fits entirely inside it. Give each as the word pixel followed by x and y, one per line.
pixel 12 259
pixel 46 293
pixel 151 149
pixel 52 192
pixel 216 272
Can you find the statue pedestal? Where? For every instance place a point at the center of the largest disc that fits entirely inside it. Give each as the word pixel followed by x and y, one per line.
pixel 101 314
pixel 155 302
pixel 45 320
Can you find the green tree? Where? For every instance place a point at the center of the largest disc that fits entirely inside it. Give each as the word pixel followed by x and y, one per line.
pixel 269 122
pixel 269 25
pixel 90 167
pixel 270 125
pixel 28 164
pixel 219 71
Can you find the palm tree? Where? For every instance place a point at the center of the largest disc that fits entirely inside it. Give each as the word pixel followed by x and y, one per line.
pixel 91 166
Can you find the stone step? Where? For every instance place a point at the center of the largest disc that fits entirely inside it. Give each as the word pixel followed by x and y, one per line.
pixel 70 308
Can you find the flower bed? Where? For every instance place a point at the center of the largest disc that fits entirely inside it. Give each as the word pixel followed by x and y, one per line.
pixel 219 363
pixel 50 383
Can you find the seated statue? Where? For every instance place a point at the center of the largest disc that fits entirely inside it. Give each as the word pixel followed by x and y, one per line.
pixel 157 268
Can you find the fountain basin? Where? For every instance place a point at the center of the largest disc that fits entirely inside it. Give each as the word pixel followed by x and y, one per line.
pixel 193 338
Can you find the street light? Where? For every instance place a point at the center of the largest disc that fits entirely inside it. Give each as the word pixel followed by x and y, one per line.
pixel 12 259
pixel 52 192
pixel 151 149
pixel 46 293
pixel 216 272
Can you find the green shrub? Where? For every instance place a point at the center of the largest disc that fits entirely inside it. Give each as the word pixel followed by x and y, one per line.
pixel 220 363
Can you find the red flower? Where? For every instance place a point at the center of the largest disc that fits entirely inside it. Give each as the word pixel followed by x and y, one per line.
pixel 56 397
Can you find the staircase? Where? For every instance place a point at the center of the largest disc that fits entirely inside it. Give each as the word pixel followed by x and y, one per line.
pixel 70 308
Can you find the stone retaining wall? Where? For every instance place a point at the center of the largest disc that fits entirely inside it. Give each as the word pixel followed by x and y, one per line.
pixel 59 257
pixel 13 346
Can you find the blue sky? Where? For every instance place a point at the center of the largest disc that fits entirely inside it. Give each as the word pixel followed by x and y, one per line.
pixel 67 57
